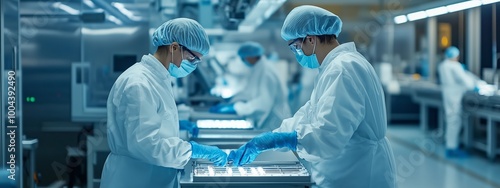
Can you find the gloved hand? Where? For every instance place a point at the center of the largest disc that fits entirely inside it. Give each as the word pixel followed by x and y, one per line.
pixel 476 89
pixel 265 141
pixel 191 127
pixel 212 153
pixel 223 109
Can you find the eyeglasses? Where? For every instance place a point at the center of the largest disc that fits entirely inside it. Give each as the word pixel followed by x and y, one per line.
pixel 193 58
pixel 295 47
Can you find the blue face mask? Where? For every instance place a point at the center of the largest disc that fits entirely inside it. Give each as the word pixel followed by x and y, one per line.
pixel 307 61
pixel 185 69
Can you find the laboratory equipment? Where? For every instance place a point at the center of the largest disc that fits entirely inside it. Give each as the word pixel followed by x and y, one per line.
pixel 255 172
pixel 270 169
pixel 224 124
pixel 479 134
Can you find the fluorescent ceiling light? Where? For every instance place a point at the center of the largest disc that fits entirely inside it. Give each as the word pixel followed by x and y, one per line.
pixel 111 31
pixel 436 11
pixel 259 13
pixel 114 19
pixel 126 12
pixel 400 19
pixel 215 31
pixel 485 2
pixel 89 3
pixel 246 28
pixel 66 8
pixel 463 5
pixel 417 15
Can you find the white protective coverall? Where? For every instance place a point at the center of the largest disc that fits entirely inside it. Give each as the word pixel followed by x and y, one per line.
pixel 143 130
pixel 264 98
pixel 455 81
pixel 341 129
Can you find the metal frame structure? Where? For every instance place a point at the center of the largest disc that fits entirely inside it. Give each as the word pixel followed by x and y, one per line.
pixel 80 112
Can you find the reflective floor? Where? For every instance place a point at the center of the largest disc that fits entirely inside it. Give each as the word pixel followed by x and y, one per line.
pixel 421 162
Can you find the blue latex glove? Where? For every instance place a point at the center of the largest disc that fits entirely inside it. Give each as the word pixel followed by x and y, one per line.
pixel 223 109
pixel 212 153
pixel 476 89
pixel 214 108
pixel 191 127
pixel 265 141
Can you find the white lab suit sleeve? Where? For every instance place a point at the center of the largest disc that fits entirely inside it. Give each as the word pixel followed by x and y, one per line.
pixel 463 78
pixel 142 129
pixel 263 102
pixel 289 124
pixel 339 111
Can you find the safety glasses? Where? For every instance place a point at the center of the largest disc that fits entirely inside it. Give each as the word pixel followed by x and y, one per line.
pixel 296 47
pixel 191 57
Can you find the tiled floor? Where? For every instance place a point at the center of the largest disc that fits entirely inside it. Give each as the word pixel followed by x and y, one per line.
pixel 421 162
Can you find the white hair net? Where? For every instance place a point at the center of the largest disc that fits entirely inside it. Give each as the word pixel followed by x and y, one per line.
pixel 250 49
pixel 310 20
pixel 184 31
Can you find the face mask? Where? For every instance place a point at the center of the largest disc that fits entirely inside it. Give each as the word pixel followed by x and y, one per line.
pixel 307 61
pixel 185 69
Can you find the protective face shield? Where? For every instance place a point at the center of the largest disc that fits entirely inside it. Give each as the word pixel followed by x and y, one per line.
pixel 310 61
pixel 188 65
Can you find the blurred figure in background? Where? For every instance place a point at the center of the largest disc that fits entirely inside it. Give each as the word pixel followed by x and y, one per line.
pixel 264 98
pixel 455 81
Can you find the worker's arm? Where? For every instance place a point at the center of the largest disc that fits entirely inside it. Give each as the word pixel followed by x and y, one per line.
pixel 142 129
pixel 464 78
pixel 324 130
pixel 263 102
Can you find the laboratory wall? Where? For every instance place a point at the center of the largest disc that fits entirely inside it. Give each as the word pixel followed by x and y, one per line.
pixel 50 45
pixel 487 13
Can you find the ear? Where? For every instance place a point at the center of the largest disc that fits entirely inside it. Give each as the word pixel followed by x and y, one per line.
pixel 174 46
pixel 313 39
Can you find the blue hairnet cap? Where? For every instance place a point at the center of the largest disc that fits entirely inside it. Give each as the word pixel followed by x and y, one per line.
pixel 451 52
pixel 250 49
pixel 310 20
pixel 184 31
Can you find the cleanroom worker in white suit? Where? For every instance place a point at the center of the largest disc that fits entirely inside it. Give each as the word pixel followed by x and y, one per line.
pixel 143 124
pixel 340 132
pixel 455 81
pixel 263 99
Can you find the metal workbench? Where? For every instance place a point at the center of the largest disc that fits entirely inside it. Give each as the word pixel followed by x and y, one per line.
pixel 429 95
pixel 487 107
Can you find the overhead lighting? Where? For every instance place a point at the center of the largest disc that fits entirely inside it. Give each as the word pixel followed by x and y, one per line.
pixel 436 11
pixel 259 13
pixel 113 19
pixel 66 8
pixel 126 12
pixel 111 31
pixel 400 19
pixel 463 5
pixel 443 10
pixel 89 3
pixel 417 15
pixel 485 2
pixel 246 28
pixel 215 31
